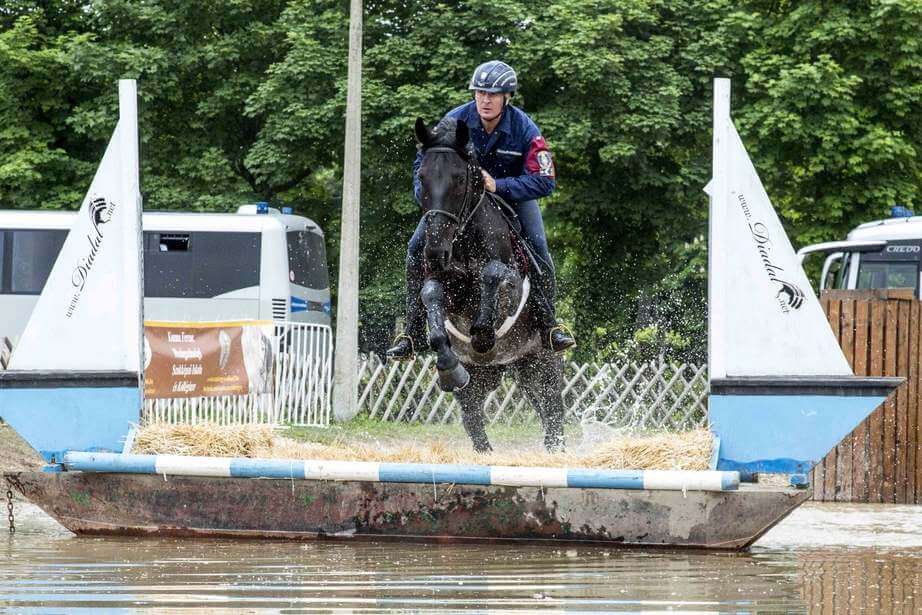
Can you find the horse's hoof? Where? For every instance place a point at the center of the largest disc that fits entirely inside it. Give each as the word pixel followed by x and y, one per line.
pixel 483 448
pixel 454 379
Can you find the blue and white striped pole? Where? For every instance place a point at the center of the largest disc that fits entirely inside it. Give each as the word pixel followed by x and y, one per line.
pixel 511 476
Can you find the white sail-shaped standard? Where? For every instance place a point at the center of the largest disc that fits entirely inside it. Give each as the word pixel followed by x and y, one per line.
pixel 764 319
pixel 88 316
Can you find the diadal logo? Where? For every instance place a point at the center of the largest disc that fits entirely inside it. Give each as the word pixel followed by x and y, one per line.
pixel 100 211
pixel 789 295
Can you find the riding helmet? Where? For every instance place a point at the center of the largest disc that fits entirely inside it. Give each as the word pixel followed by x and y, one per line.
pixel 494 76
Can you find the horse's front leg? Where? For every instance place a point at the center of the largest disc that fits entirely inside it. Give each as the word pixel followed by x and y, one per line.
pixel 483 329
pixel 452 375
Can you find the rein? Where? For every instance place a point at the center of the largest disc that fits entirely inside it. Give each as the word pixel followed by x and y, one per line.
pixel 465 216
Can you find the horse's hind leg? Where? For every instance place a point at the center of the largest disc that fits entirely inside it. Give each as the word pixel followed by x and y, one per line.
pixel 541 378
pixel 483 329
pixel 472 397
pixel 452 375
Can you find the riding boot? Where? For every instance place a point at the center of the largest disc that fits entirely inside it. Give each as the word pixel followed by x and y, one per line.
pixel 554 335
pixel 413 337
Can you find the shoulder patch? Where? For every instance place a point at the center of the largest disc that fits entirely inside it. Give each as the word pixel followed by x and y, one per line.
pixel 545 163
pixel 539 160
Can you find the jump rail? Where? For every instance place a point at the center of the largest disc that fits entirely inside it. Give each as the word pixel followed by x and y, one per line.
pixel 510 476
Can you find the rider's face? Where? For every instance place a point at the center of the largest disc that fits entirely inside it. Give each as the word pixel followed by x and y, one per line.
pixel 489 105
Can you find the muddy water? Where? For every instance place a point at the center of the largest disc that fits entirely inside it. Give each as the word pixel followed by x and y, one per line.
pixel 823 559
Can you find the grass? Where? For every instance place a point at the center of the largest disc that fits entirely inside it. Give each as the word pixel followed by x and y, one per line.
pixel 364 429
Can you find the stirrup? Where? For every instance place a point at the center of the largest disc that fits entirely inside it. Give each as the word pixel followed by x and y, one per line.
pixel 404 336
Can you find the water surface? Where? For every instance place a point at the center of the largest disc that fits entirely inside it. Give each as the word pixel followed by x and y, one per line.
pixel 822 559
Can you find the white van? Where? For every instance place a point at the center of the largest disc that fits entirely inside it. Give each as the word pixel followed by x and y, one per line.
pixel 879 254
pixel 257 264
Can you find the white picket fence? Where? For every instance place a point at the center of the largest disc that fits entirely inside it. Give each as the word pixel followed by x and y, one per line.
pixel 300 395
pixel 639 396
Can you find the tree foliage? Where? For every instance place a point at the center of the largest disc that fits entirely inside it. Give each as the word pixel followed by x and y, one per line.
pixel 243 100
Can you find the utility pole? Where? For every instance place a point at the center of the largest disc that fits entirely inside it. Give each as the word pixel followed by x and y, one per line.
pixel 346 362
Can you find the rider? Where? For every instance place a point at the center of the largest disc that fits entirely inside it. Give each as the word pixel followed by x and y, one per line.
pixel 516 165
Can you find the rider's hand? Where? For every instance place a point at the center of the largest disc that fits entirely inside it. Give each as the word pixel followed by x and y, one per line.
pixel 488 182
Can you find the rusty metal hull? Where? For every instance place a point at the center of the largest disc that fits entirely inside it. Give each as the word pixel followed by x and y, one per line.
pixel 136 504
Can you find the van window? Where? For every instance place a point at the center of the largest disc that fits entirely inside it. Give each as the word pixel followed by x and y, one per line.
pixel 31 256
pixel 199 265
pixel 307 260
pixel 834 273
pixel 841 280
pixel 884 274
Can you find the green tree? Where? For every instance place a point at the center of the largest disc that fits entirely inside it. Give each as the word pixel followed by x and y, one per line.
pixel 243 100
pixel 831 108
pixel 37 169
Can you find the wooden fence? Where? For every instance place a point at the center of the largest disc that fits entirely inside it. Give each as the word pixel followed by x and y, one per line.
pixel 881 460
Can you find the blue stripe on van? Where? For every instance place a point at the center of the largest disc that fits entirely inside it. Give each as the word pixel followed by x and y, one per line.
pixel 298 305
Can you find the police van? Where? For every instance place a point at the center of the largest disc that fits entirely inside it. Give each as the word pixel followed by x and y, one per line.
pixel 879 254
pixel 257 264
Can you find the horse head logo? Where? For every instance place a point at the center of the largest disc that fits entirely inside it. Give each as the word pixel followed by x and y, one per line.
pixel 100 212
pixel 793 296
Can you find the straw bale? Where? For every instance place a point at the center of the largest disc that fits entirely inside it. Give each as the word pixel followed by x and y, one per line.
pixel 661 451
pixel 689 450
pixel 208 439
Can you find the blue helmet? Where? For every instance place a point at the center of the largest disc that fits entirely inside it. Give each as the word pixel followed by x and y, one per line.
pixel 494 76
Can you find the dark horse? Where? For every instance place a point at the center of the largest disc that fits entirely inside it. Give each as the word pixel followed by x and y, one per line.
pixel 475 293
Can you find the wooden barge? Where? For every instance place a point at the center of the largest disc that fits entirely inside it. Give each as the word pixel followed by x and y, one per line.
pixel 188 506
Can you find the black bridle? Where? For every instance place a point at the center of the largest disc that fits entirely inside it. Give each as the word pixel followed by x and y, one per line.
pixel 468 206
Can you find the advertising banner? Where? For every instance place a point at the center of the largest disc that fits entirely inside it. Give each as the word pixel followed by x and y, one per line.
pixel 202 359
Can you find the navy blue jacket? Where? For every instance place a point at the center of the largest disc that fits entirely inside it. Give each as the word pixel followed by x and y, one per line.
pixel 515 154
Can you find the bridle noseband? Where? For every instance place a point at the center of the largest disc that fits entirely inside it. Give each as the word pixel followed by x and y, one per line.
pixel 468 206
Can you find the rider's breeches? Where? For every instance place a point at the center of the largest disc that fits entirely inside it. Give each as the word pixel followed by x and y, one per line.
pixel 533 230
pixel 416 245
pixel 416 320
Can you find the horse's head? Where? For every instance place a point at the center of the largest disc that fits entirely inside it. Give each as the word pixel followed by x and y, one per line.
pixel 450 186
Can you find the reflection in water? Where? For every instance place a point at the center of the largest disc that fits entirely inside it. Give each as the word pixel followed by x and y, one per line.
pixel 45 568
pixel 861 582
